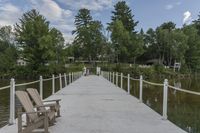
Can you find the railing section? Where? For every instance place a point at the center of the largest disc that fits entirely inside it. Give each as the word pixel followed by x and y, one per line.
pixel 71 77
pixel 111 76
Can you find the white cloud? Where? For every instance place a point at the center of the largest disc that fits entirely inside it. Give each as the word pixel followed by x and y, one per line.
pixel 9 13
pixel 172 5
pixel 169 7
pixel 68 37
pixel 95 5
pixel 59 18
pixel 50 9
pixel 187 17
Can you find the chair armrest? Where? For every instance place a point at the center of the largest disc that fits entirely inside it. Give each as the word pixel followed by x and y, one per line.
pixel 46 105
pixel 46 111
pixel 53 100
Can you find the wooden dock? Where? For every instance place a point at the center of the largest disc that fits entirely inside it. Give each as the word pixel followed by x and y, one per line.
pixel 94 105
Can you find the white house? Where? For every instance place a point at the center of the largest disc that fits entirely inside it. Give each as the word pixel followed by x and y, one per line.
pixel 21 62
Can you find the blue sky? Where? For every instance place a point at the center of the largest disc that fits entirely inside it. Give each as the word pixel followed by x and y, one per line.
pixel 60 13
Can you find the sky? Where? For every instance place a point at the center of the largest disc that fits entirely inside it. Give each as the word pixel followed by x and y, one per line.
pixel 61 13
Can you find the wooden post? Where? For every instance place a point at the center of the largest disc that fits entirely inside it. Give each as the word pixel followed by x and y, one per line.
pixel 141 87
pixel 41 87
pixel 20 120
pixel 53 84
pixel 128 83
pixel 122 80
pixel 65 77
pixel 12 102
pixel 165 97
pixel 60 77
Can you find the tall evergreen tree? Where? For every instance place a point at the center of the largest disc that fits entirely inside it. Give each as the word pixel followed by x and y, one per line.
pixel 123 13
pixel 130 44
pixel 88 34
pixel 37 42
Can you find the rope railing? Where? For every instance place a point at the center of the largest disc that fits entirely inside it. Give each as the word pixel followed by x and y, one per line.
pixel 57 77
pixel 134 79
pixel 29 83
pixel 113 77
pixel 5 87
pixel 151 83
pixel 159 84
pixel 125 77
pixel 67 80
pixel 184 90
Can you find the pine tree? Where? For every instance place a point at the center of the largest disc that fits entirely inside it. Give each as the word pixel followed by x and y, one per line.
pixel 88 35
pixel 34 36
pixel 123 13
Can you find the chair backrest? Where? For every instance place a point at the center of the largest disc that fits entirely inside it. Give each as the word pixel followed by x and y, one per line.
pixel 27 104
pixel 36 98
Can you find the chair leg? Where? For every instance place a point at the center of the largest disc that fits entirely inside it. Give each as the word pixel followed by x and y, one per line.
pixel 58 113
pixel 46 123
pixel 19 120
pixel 27 120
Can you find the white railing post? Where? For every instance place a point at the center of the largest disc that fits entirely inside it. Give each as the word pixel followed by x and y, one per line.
pixel 69 78
pixel 165 97
pixel 65 77
pixel 128 83
pixel 60 77
pixel 53 84
pixel 110 77
pixel 116 78
pixel 122 80
pixel 141 88
pixel 113 79
pixel 72 76
pixel 12 102
pixel 41 87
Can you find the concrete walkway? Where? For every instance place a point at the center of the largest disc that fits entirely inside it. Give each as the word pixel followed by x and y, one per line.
pixel 94 105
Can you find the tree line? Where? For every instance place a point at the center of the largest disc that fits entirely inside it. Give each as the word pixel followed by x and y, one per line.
pixel 163 45
pixel 43 47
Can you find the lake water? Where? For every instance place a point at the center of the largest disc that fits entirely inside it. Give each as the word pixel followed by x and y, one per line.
pixel 183 108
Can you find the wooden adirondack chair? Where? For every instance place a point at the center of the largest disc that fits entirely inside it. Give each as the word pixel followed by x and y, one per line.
pixel 39 103
pixel 35 119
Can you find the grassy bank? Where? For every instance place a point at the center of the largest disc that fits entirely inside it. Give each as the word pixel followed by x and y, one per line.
pixel 24 72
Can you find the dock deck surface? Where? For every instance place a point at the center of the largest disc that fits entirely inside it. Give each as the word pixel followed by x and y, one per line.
pixel 94 105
